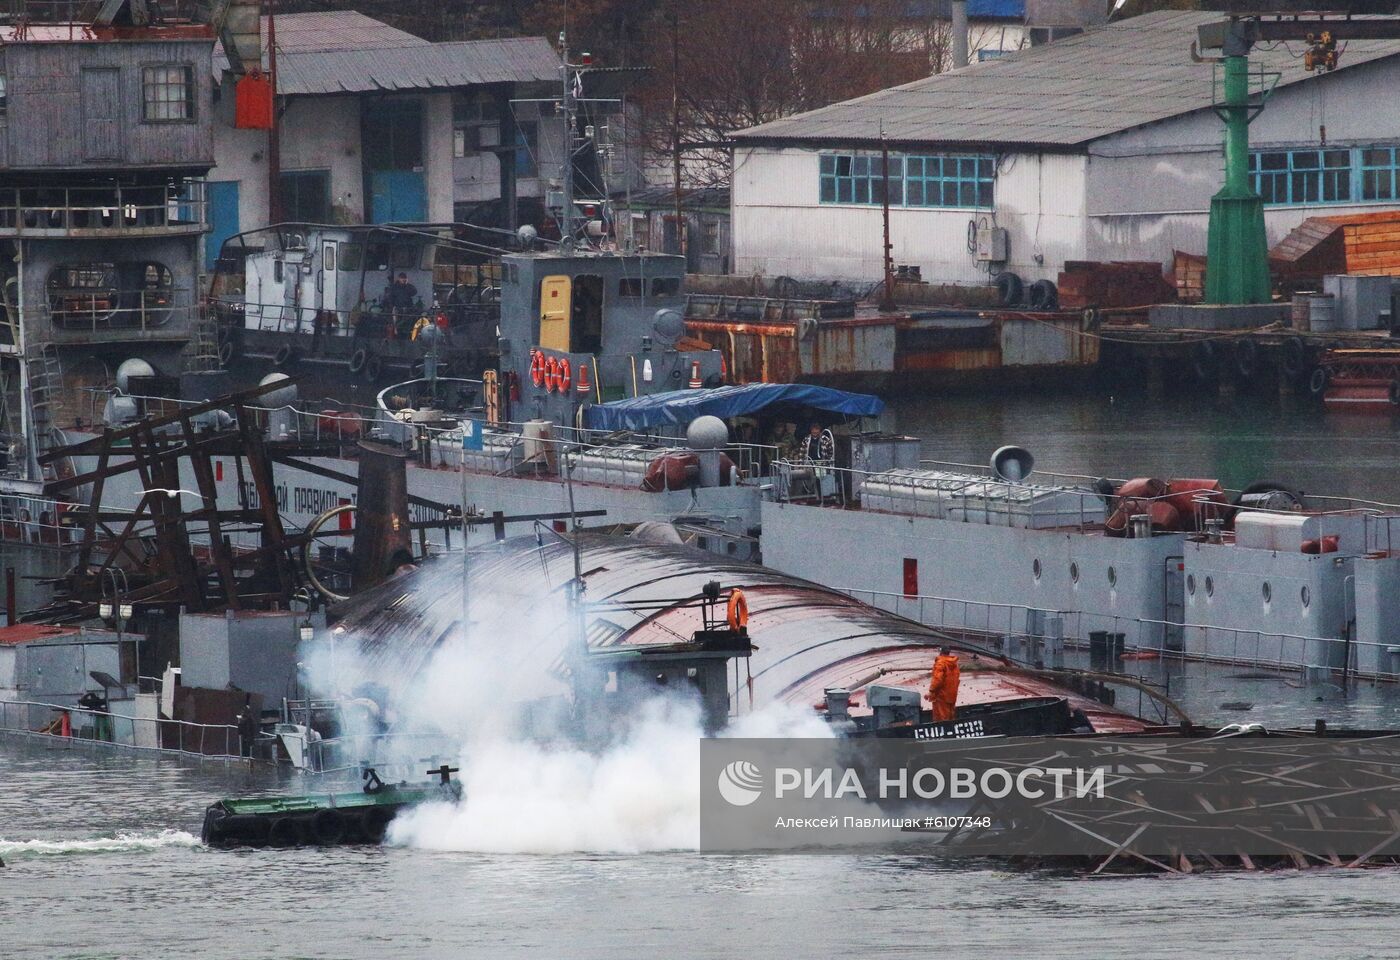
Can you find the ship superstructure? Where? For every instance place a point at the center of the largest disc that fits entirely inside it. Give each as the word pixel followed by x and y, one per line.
pixel 107 136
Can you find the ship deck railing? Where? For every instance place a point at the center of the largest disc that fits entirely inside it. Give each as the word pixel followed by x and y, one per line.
pixel 107 211
pixel 1026 634
pixel 572 442
pixel 206 741
pixel 973 494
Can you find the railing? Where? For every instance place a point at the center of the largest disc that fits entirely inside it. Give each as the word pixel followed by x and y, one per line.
pixel 76 724
pixel 98 311
pixel 100 211
pixel 1164 638
pixel 36 520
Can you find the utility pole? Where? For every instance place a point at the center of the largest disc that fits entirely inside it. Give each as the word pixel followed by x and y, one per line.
pixel 887 297
pixel 676 121
pixel 274 143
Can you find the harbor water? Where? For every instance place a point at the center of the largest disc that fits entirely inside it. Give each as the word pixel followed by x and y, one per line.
pixel 102 857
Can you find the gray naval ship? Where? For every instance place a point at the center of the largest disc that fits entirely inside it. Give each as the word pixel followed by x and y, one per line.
pixel 600 408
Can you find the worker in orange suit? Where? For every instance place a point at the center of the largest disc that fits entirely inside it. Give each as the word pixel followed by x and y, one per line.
pixel 943 685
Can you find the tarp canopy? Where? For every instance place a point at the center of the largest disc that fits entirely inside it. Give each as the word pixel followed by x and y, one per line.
pixel 683 406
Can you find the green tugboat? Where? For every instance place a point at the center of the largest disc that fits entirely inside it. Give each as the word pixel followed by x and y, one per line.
pixel 325 819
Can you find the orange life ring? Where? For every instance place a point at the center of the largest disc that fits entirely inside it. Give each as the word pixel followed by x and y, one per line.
pixel 738 614
pixel 551 374
pixel 564 379
pixel 537 368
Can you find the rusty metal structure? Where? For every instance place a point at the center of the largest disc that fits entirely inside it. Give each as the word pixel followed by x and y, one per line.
pixel 166 554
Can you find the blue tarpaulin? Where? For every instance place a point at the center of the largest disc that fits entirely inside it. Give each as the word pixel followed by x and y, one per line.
pixel 683 406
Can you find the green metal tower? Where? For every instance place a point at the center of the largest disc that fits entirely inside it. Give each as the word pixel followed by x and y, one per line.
pixel 1237 265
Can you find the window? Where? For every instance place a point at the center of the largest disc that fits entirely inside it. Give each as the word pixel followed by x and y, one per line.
pixel 527 150
pixel 986 54
pixel 666 286
pixel 306 196
pixel 923 181
pixel 709 236
pixel 630 287
pixel 1342 175
pixel 167 93
pixel 351 256
pixel 1378 173
pixel 3 102
pixel 459 142
pixel 328 257
pixel 277 271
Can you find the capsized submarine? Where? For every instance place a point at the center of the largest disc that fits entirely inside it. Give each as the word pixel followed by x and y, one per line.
pixel 656 616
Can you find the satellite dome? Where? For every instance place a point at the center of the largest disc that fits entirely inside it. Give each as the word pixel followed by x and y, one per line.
pixel 706 433
pixel 134 367
pixel 277 398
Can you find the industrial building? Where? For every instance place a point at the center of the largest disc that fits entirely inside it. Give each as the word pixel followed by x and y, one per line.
pixel 1099 146
pixel 377 125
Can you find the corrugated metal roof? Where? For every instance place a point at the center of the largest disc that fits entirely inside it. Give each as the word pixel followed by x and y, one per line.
pixel 433 66
pixel 329 30
pixel 1063 94
pixel 337 30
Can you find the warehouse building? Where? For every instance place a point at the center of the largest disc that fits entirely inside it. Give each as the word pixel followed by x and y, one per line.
pixel 1100 146
pixel 377 125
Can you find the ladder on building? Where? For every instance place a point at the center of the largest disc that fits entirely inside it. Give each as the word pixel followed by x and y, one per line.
pixel 45 398
pixel 204 343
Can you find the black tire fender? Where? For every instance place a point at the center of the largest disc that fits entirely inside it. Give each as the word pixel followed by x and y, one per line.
pixel 1246 357
pixel 286 832
pixel 284 356
pixel 327 827
pixel 374 822
pixel 1010 288
pixel 1294 357
pixel 1205 364
pixel 358 359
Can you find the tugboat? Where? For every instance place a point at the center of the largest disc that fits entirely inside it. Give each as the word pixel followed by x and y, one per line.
pixel 358 297
pixel 325 819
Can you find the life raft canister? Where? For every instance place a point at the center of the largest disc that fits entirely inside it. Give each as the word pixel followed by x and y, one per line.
pixel 565 376
pixel 738 614
pixel 537 368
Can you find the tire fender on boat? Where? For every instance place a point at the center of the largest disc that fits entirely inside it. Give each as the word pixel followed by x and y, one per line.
pixel 358 359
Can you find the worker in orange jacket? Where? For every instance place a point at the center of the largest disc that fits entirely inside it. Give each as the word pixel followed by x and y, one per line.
pixel 943 685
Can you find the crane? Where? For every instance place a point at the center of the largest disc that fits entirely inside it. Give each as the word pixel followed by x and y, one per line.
pixel 1237 247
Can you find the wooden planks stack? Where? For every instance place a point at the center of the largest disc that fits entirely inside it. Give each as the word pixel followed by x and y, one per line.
pixel 1361 243
pixel 1372 244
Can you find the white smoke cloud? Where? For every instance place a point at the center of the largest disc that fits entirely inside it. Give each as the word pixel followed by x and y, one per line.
pixel 533 790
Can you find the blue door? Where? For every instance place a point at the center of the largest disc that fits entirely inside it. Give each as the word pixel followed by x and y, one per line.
pixel 222 196
pixel 398 196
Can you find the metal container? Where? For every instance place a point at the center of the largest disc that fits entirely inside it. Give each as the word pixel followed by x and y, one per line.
pixel 1322 312
pixel 1302 312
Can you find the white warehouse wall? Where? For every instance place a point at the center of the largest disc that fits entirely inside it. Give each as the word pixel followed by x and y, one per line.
pixel 780 227
pixel 1182 162
pixel 1136 195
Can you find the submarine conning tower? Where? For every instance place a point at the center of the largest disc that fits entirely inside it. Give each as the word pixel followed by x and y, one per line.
pixel 617 321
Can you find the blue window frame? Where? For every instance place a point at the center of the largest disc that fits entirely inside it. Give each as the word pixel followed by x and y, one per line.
pixel 1318 176
pixel 921 181
pixel 1378 173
